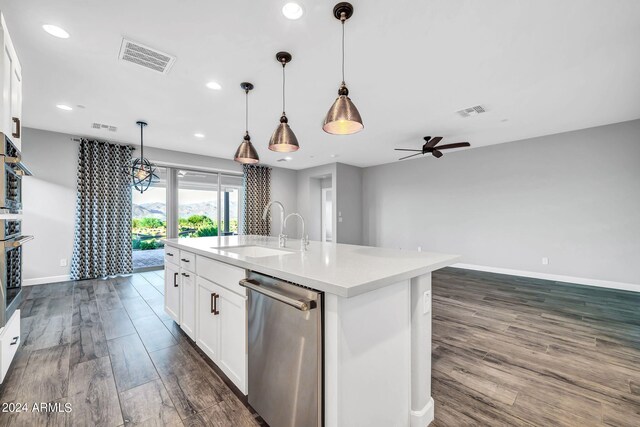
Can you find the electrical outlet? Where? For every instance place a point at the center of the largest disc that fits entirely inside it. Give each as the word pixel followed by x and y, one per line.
pixel 426 302
pixel 419 248
pixel 63 262
pixel 545 260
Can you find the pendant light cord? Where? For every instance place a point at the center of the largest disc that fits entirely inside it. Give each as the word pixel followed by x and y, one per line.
pixel 283 86
pixel 343 19
pixel 141 144
pixel 246 112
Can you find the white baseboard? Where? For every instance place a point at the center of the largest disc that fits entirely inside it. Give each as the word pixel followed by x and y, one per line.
pixel 553 277
pixel 423 417
pixel 42 280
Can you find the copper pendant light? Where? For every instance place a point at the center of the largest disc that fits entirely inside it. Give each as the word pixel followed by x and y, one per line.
pixel 283 139
pixel 246 152
pixel 343 117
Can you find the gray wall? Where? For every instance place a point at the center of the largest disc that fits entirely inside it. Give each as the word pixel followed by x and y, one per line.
pixel 50 196
pixel 349 204
pixel 572 197
pixel 49 199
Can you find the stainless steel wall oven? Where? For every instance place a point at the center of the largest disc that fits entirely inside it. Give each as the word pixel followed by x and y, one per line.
pixel 11 238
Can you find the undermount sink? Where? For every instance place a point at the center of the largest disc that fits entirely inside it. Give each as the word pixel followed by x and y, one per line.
pixel 250 251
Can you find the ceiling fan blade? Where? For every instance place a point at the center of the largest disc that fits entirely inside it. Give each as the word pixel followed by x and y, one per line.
pixel 432 142
pixel 412 155
pixel 406 149
pixel 456 145
pixel 437 154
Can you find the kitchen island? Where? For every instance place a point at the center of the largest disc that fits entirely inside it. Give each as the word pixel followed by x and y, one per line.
pixel 376 318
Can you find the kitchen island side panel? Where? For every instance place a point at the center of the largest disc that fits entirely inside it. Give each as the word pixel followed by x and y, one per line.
pixel 368 358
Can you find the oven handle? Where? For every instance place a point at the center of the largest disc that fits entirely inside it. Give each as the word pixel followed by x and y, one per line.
pixel 19 242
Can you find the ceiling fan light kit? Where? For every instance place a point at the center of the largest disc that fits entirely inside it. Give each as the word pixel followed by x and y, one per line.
pixel 343 117
pixel 246 152
pixel 283 140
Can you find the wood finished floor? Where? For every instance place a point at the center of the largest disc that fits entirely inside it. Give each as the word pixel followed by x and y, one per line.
pixel 108 348
pixel 510 351
pixel 507 351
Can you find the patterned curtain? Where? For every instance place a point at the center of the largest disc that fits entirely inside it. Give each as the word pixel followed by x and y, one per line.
pixel 102 244
pixel 257 194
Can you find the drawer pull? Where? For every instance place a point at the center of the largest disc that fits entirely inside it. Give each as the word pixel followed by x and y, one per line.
pixel 169 254
pixel 185 274
pixel 16 121
pixel 14 341
pixel 214 304
pixel 175 280
pixel 184 259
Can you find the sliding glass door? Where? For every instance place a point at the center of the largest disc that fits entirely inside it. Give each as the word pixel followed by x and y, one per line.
pixel 188 203
pixel 231 196
pixel 149 223
pixel 197 204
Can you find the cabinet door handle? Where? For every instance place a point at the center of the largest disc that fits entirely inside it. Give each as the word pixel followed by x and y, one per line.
pixel 169 254
pixel 185 274
pixel 14 341
pixel 16 134
pixel 214 304
pixel 175 280
pixel 184 259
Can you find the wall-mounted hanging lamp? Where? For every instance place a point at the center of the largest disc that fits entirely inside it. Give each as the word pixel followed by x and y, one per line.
pixel 343 117
pixel 140 170
pixel 246 152
pixel 283 139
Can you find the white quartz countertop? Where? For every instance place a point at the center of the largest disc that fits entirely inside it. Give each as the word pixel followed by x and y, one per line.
pixel 344 270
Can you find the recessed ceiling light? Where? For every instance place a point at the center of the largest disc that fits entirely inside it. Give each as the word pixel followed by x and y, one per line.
pixel 214 85
pixel 64 107
pixel 292 11
pixel 333 156
pixel 198 135
pixel 288 159
pixel 55 31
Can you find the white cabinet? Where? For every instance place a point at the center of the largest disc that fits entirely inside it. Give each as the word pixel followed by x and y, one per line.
pixel 11 107
pixel 188 303
pixel 172 291
pixel 233 337
pixel 9 343
pixel 210 307
pixel 208 319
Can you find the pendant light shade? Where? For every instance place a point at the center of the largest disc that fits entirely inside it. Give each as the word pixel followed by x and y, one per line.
pixel 343 117
pixel 246 152
pixel 283 139
pixel 140 170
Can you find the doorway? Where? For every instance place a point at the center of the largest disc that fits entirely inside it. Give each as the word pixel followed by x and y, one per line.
pixel 326 207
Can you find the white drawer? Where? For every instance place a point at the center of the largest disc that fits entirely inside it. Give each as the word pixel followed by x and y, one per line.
pixel 223 274
pixel 172 255
pixel 188 261
pixel 9 343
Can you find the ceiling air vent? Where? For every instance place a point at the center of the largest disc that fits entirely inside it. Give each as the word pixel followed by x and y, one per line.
pixel 146 56
pixel 472 111
pixel 103 126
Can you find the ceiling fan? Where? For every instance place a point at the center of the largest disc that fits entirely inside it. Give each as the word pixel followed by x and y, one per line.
pixel 430 147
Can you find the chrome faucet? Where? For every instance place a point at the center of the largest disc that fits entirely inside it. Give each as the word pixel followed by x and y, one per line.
pixel 282 238
pixel 304 240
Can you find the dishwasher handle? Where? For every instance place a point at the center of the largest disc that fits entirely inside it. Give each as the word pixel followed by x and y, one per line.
pixel 254 285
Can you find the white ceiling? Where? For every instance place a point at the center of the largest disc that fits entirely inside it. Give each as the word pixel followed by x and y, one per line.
pixel 539 67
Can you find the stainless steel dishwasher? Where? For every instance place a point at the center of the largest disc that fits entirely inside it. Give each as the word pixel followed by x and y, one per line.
pixel 285 342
